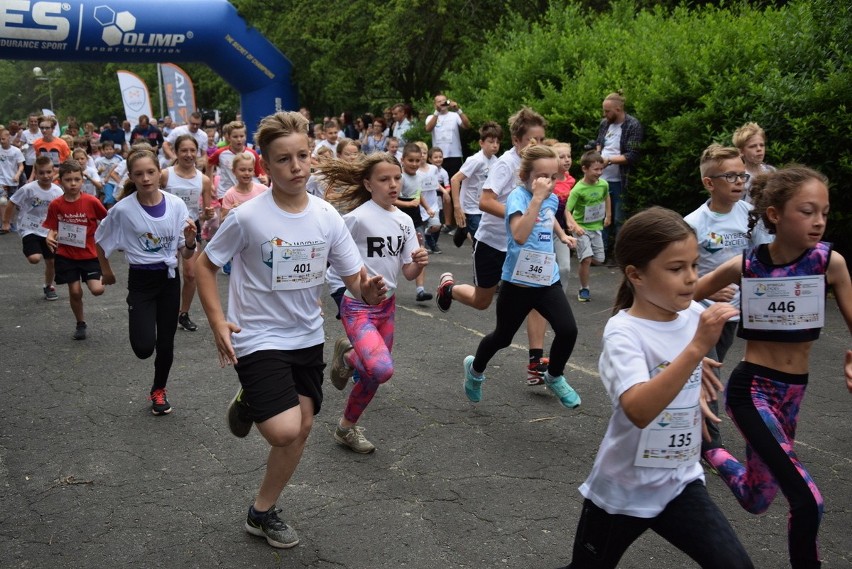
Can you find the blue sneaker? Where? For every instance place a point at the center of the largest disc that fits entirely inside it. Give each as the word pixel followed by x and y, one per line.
pixel 472 384
pixel 226 268
pixel 566 394
pixel 584 295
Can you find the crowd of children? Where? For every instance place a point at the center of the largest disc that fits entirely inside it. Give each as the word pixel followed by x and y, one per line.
pixel 356 214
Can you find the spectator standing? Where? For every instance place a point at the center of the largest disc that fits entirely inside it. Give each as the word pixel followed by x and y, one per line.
pixel 445 124
pixel 618 141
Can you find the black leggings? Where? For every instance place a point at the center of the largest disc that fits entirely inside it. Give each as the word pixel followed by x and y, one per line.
pixel 513 306
pixel 691 522
pixel 153 301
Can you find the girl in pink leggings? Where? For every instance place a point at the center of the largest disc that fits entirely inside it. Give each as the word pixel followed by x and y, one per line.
pixel 783 286
pixel 385 236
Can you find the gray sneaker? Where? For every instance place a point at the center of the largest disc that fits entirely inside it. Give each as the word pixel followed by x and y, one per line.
pixel 340 370
pixel 277 533
pixel 239 418
pixel 354 438
pixel 50 293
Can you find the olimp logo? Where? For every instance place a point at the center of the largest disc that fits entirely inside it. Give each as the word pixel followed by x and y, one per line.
pixel 120 30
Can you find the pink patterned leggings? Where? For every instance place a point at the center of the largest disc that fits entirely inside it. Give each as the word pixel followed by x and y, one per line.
pixel 370 329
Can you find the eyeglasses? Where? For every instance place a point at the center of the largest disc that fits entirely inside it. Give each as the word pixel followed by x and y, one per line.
pixel 732 177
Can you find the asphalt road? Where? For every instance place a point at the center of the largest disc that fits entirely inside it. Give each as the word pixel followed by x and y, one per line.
pixel 89 478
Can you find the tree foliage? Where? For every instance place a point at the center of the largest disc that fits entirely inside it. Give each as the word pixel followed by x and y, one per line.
pixel 692 76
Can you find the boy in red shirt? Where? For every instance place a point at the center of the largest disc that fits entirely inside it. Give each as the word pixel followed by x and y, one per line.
pixel 72 220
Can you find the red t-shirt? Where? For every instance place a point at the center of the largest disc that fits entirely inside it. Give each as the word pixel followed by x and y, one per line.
pixel 214 158
pixel 562 189
pixel 86 212
pixel 56 149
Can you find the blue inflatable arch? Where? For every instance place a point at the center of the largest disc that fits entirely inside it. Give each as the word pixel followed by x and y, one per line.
pixel 153 31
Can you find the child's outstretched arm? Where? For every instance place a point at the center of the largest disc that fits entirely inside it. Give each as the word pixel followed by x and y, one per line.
pixel 643 402
pixel 725 274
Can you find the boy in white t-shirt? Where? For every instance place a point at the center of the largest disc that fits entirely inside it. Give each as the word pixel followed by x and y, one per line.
pixel 11 167
pixel 280 243
pixel 31 202
pixel 721 226
pixel 466 184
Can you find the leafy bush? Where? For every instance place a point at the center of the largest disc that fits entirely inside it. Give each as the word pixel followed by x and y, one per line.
pixel 691 76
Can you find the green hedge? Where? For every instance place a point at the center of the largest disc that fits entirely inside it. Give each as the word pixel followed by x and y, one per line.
pixel 691 76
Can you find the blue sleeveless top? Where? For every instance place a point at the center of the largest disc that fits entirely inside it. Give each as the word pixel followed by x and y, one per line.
pixel 758 264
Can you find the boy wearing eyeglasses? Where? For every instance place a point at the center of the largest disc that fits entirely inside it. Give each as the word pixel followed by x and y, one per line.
pixel 50 145
pixel 721 226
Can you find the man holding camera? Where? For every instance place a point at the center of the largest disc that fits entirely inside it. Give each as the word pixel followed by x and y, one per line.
pixel 444 125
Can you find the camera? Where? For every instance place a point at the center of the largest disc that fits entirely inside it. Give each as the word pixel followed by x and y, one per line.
pixel 591 145
pixel 445 104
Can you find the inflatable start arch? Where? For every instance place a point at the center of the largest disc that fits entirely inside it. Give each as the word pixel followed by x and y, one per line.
pixel 154 31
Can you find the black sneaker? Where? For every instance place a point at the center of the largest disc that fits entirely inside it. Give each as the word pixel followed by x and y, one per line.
pixel 423 296
pixel 460 236
pixel 239 418
pixel 159 403
pixel 436 249
pixel 444 297
pixel 186 323
pixel 80 331
pixel 269 525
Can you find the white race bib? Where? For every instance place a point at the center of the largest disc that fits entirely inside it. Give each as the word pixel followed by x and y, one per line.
pixel 534 268
pixel 72 234
pixel 31 223
pixel 594 213
pixel 298 266
pixel 785 303
pixel 672 440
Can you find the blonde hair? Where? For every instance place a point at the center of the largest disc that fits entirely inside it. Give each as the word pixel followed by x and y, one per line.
pixel 242 157
pixel 617 97
pixel 528 157
pixel 714 155
pixel 742 134
pixel 279 125
pixel 347 179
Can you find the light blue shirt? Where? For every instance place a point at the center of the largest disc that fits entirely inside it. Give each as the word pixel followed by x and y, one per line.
pixel 541 237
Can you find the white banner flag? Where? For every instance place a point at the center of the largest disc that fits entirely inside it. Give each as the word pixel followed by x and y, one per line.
pixel 134 95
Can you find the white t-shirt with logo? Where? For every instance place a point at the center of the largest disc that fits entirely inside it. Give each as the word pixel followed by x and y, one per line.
pixel 188 190
pixel 145 240
pixel 10 159
pixel 635 350
pixel 612 147
pixel 475 170
pixel 27 139
pixel 502 179
pixel 278 319
pixel 429 182
pixel 445 135
pixel 720 237
pixel 32 202
pixel 385 239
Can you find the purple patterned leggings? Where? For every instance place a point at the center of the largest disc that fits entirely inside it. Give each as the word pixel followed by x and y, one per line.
pixel 370 329
pixel 764 405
